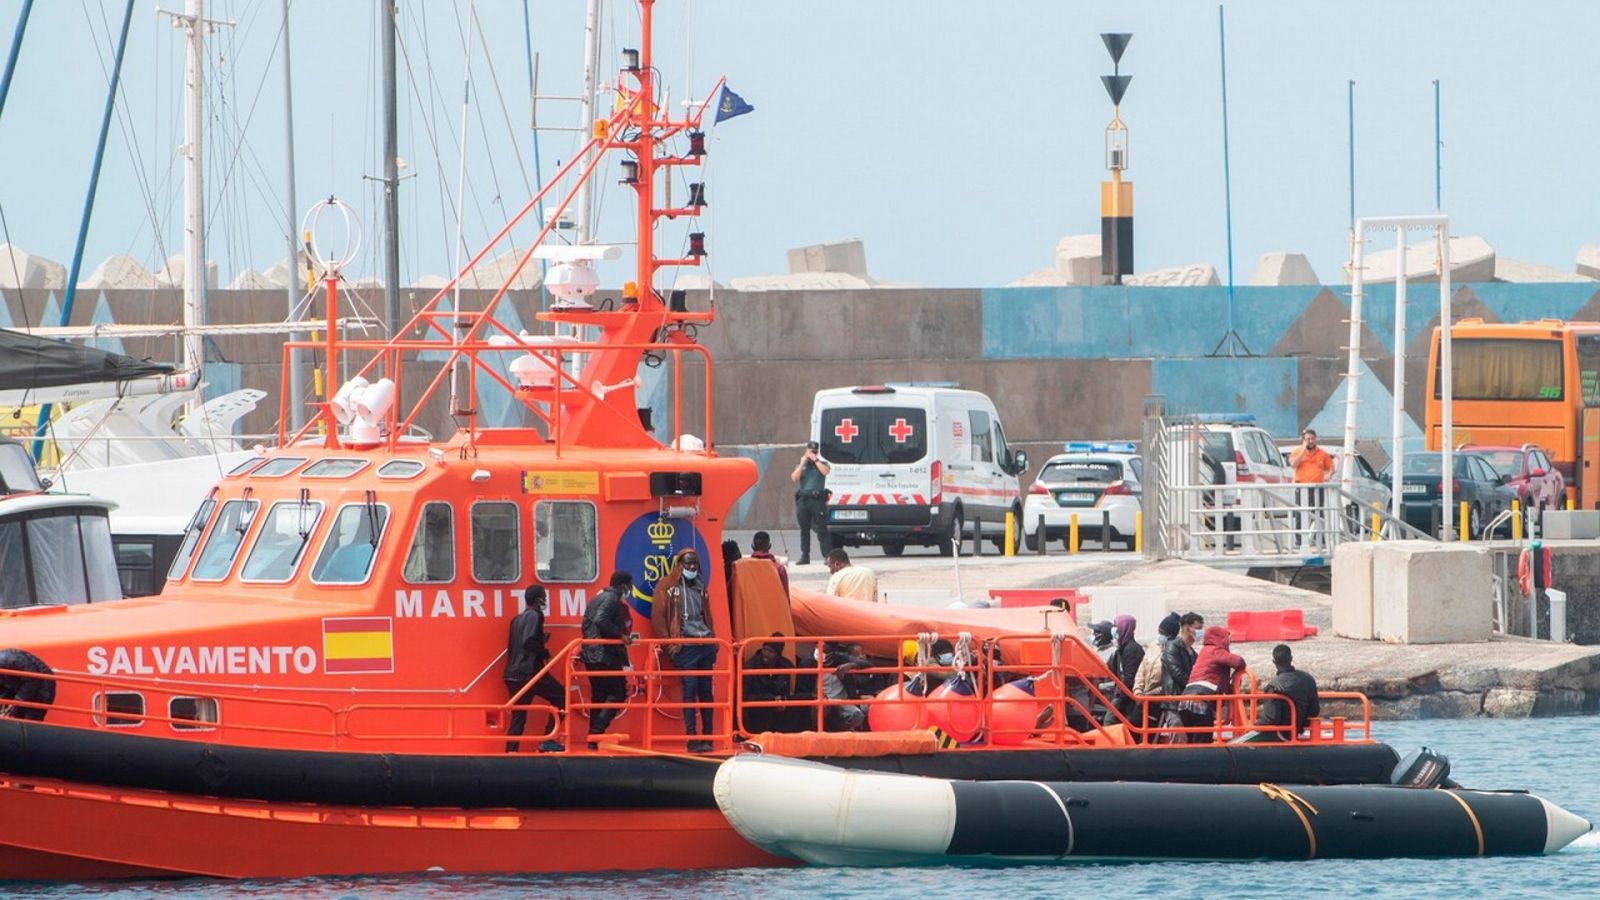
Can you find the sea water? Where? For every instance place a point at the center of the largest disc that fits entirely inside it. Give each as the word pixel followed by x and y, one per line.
pixel 1558 759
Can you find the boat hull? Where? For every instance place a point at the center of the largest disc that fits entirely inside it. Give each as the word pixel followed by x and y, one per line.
pixel 603 780
pixel 53 830
pixel 830 816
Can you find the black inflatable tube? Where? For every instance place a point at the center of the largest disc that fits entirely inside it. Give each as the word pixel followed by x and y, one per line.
pixel 533 781
pixel 1237 822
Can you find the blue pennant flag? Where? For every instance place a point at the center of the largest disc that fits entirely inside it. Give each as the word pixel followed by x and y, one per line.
pixel 730 105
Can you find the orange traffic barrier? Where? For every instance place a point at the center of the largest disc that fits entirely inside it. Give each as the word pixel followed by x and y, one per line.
pixel 1269 625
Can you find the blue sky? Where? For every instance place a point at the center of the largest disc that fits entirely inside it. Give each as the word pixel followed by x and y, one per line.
pixel 959 140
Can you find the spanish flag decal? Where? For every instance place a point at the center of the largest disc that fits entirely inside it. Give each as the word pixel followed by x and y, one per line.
pixel 358 645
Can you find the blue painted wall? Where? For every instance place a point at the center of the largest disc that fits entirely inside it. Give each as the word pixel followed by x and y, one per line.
pixel 1120 322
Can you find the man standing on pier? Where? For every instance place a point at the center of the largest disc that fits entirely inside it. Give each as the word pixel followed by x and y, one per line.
pixel 1312 465
pixel 811 501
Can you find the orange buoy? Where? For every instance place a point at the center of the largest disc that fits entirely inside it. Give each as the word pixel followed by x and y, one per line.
pixel 962 716
pixel 891 711
pixel 1013 712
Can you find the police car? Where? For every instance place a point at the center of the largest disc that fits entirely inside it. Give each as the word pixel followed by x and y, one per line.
pixel 1091 479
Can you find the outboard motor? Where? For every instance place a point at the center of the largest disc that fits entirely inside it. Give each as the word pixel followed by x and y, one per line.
pixel 1423 769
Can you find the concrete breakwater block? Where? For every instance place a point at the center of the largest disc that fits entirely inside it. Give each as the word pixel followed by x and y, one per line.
pixel 1428 593
pixel 1566 524
pixel 1352 590
pixel 1283 268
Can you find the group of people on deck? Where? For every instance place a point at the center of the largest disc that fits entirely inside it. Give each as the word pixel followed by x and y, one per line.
pixel 1171 667
pixel 1186 660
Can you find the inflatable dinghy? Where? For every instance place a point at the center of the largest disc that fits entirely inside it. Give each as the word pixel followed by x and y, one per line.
pixel 836 817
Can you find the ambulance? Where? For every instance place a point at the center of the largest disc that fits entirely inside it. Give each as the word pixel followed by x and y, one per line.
pixel 915 464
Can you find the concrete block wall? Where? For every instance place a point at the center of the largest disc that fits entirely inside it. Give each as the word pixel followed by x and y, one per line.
pixel 1060 362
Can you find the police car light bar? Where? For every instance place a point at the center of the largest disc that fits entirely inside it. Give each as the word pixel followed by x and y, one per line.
pixel 1224 418
pixel 1100 447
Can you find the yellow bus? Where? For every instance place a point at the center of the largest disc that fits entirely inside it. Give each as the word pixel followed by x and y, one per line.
pixel 1530 382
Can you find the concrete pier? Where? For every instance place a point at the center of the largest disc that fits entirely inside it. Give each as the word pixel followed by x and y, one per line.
pixel 1502 676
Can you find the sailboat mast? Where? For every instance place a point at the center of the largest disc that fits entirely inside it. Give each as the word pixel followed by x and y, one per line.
pixel 586 110
pixel 297 413
pixel 194 259
pixel 391 173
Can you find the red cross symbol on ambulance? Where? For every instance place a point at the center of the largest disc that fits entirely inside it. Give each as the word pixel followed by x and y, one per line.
pixel 900 431
pixel 846 431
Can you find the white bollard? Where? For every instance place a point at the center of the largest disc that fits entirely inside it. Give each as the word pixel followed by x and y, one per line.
pixel 1558 614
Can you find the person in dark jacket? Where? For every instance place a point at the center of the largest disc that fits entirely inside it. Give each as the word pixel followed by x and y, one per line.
pixel 21 688
pixel 607 618
pixel 1124 664
pixel 1177 661
pixel 767 688
pixel 1298 686
pixel 526 654
pixel 1213 674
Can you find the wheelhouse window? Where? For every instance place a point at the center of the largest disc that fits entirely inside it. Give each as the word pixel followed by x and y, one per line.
pixel 566 543
pixel 99 557
pixel 496 543
pixel 432 557
pixel 400 468
pixel 17 475
pixel 282 541
pixel 191 539
pixel 136 567
pixel 58 556
pixel 334 468
pixel 244 467
pixel 1505 369
pixel 15 588
pixel 351 545
pixel 277 468
pixel 222 545
pixel 119 709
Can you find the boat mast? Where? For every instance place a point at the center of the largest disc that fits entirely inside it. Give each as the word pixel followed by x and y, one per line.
pixel 297 413
pixel 194 260
pixel 391 173
pixel 586 117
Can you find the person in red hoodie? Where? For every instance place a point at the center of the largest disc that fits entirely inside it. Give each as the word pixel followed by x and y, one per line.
pixel 1213 673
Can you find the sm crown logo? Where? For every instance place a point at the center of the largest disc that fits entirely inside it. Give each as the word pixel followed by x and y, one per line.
pixel 661 532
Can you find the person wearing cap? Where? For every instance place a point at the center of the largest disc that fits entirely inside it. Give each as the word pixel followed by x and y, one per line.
pixel 810 476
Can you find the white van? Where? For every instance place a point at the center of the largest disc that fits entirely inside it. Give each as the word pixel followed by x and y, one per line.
pixel 915 464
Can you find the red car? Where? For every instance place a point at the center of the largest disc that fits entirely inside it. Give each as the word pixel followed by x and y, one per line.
pixel 1528 471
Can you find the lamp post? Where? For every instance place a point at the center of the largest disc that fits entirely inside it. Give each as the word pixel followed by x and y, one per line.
pixel 1116 195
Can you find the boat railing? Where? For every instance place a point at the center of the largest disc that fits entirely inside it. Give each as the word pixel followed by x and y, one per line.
pixel 1054 703
pixel 1043 697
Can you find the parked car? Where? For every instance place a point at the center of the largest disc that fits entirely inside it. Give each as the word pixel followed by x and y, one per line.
pixel 1248 453
pixel 1091 479
pixel 1529 472
pixel 1476 483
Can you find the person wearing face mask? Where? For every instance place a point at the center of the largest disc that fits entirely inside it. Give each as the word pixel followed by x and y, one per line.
pixel 680 608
